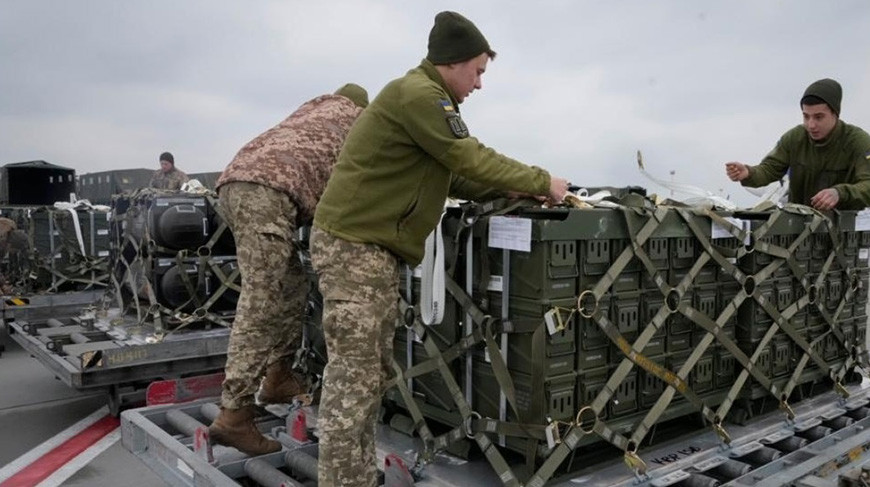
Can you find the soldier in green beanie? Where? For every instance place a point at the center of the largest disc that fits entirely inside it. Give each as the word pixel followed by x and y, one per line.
pixel 827 160
pixel 405 154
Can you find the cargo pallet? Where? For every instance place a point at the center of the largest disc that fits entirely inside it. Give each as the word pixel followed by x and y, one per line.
pixel 826 443
pixel 40 307
pixel 118 353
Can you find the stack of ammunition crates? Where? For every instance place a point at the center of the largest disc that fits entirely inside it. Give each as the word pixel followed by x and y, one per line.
pixel 587 268
pixel 57 249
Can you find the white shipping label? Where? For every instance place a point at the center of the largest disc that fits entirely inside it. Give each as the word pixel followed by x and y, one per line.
pixel 554 321
pixel 718 231
pixel 496 284
pixel 510 233
pixel 862 221
pixel 552 433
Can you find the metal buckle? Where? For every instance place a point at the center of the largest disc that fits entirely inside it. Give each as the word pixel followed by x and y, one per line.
pixel 789 412
pixel 720 431
pixel 635 463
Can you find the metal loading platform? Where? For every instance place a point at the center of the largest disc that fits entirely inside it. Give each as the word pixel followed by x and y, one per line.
pixel 824 446
pixel 40 307
pixel 117 353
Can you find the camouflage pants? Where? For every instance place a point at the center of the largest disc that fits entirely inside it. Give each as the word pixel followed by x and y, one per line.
pixel 359 284
pixel 268 323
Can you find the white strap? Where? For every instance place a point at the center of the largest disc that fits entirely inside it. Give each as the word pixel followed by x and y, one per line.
pixel 699 196
pixel 194 186
pixel 593 199
pixel 432 290
pixel 71 208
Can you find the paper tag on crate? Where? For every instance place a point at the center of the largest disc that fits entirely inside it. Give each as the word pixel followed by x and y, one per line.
pixel 553 319
pixel 863 254
pixel 510 233
pixel 552 433
pixel 862 221
pixel 717 231
pixel 496 283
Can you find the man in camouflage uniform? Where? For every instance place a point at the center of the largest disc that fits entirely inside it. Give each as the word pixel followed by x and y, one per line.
pixel 406 153
pixel 269 189
pixel 827 159
pixel 168 176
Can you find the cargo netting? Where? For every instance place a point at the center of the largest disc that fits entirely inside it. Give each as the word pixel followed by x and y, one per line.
pixel 58 248
pixel 617 319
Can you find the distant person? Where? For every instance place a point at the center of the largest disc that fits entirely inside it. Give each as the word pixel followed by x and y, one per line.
pixel 827 160
pixel 408 151
pixel 268 191
pixel 168 176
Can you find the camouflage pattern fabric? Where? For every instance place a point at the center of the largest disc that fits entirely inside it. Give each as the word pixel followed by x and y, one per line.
pixel 7 226
pixel 268 323
pixel 359 283
pixel 168 180
pixel 296 156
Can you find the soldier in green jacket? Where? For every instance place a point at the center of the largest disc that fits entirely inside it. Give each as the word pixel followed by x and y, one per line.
pixel 827 160
pixel 405 154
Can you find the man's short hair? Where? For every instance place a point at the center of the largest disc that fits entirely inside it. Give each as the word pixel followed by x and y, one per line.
pixel 166 156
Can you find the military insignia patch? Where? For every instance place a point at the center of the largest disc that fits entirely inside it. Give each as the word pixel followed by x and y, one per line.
pixel 454 121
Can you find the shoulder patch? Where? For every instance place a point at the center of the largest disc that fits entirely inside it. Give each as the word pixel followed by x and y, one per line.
pixel 454 121
pixel 446 105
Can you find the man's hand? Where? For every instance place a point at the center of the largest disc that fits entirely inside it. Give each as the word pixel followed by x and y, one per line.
pixel 825 199
pixel 736 171
pixel 558 188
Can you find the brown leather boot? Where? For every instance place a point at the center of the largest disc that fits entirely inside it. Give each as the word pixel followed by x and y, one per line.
pixel 282 384
pixel 235 427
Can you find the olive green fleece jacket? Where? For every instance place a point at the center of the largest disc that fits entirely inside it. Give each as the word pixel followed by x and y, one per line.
pixel 405 154
pixel 842 161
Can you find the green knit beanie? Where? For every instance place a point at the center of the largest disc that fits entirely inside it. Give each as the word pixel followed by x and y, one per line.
pixel 454 39
pixel 355 93
pixel 827 90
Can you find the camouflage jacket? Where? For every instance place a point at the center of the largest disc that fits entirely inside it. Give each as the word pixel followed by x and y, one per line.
pixel 296 156
pixel 169 180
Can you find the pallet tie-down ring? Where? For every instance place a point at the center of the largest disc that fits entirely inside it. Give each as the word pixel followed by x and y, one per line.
pixel 578 421
pixel 466 424
pixel 583 309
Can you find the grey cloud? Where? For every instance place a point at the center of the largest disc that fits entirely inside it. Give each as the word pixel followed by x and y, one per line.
pixel 577 87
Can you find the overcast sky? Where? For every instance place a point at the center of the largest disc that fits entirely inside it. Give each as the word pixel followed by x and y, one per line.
pixel 577 87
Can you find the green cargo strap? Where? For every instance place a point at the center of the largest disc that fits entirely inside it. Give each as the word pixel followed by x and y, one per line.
pixel 483 321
